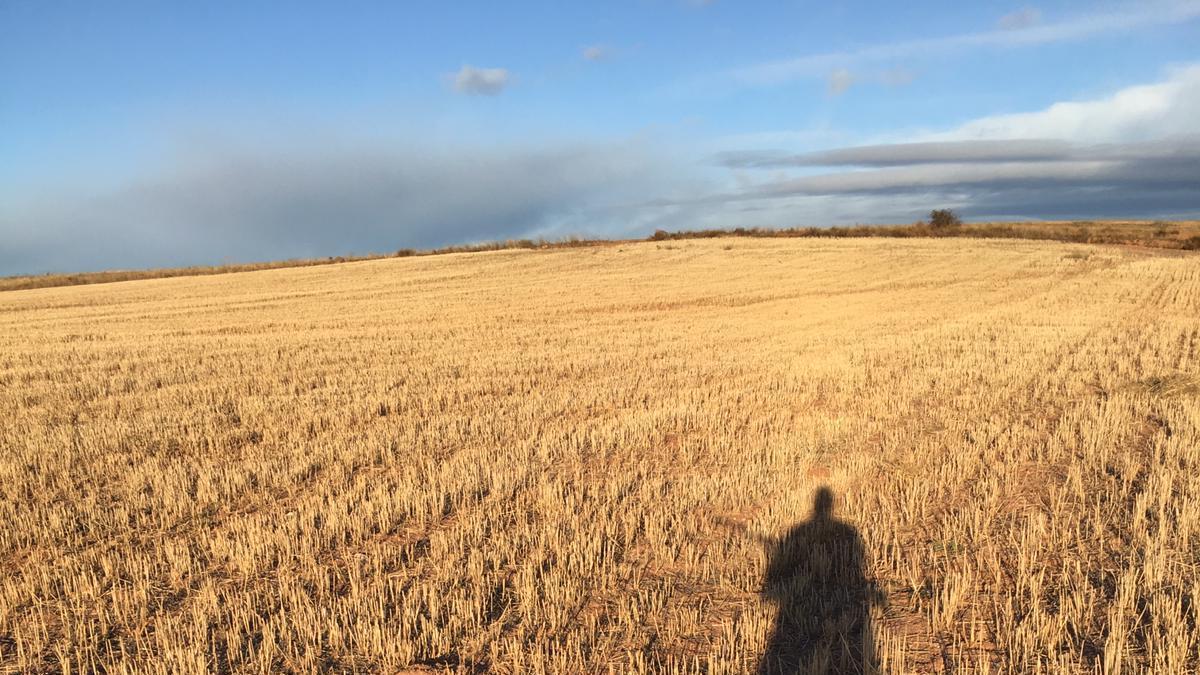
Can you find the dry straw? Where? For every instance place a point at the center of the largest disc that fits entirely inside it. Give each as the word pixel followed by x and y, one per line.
pixel 596 460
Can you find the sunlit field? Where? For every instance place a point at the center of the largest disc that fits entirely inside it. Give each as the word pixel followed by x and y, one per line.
pixel 717 456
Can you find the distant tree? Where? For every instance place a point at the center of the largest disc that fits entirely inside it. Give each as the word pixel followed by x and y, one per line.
pixel 940 219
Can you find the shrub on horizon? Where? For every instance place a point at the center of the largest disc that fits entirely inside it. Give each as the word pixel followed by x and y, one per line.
pixel 941 219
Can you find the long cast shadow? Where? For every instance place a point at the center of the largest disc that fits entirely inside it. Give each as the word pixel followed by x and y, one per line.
pixel 815 576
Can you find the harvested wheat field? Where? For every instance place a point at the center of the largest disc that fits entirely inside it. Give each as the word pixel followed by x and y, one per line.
pixel 719 456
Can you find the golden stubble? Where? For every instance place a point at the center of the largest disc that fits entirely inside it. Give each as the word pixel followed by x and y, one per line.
pixel 568 460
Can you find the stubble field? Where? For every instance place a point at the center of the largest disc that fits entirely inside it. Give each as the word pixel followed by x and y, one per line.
pixel 590 460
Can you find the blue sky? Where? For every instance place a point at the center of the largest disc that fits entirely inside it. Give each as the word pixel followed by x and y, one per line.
pixel 152 134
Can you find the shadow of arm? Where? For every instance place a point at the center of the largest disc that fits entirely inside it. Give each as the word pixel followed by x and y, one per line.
pixel 740 528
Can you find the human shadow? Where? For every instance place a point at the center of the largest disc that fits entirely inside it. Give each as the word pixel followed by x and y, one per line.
pixel 815 577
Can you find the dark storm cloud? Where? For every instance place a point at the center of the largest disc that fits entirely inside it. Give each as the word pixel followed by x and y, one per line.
pixel 1135 152
pixel 270 205
pixel 214 206
pixel 1023 177
pixel 1128 174
pixel 900 154
pixel 1083 202
pixel 961 152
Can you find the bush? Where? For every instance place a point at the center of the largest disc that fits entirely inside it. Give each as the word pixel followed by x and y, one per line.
pixel 1191 243
pixel 1162 229
pixel 660 235
pixel 940 219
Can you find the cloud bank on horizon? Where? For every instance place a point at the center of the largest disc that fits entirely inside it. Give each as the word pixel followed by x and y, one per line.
pixel 1038 112
pixel 1133 153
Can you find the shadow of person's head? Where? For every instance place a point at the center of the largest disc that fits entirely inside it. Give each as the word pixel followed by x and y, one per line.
pixel 823 504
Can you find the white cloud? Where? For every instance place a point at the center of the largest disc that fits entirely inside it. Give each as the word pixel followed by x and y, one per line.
pixel 481 81
pixel 1022 18
pixel 897 77
pixel 596 52
pixel 1157 110
pixel 1130 17
pixel 840 80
